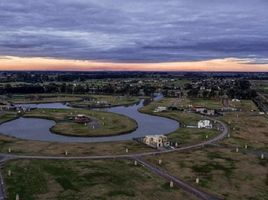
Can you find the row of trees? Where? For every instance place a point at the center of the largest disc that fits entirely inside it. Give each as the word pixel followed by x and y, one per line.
pixel 77 88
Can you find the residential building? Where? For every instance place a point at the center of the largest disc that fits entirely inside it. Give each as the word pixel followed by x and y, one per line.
pixel 80 118
pixel 156 141
pixel 204 124
pixel 160 109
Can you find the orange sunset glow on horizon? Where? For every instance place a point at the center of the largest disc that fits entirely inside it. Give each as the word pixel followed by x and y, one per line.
pixel 9 63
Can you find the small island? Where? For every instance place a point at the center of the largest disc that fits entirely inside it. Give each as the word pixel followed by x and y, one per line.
pixel 81 122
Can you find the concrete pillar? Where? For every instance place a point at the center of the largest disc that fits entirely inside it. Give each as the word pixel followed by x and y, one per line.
pixel 159 161
pixel 135 163
pixel 197 180
pixel 262 156
pixel 66 153
pixel 171 184
pixel 126 150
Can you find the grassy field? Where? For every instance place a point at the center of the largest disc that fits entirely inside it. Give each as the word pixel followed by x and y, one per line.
pixel 245 105
pixel 260 85
pixel 42 98
pixel 19 146
pixel 78 100
pixel 185 136
pixel 108 123
pixel 247 129
pixel 221 171
pixel 109 99
pixel 85 180
pixel 208 103
pixel 7 116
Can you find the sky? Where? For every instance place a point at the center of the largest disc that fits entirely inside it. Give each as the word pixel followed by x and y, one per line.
pixel 177 35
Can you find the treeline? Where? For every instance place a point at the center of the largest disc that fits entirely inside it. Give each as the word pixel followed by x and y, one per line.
pixel 77 88
pixel 41 77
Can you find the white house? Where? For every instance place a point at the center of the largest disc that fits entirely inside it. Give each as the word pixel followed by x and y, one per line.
pixel 204 124
pixel 160 109
pixel 156 141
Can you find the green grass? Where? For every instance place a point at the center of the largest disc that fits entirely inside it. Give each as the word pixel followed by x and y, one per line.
pixel 208 103
pixel 33 180
pixel 111 101
pixel 225 173
pixel 74 99
pixel 26 180
pixel 205 169
pixel 43 98
pixel 186 135
pixel 7 116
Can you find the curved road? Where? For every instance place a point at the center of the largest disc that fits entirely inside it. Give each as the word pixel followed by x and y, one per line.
pixel 177 182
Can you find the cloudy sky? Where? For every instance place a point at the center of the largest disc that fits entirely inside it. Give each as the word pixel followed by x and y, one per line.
pixel 140 31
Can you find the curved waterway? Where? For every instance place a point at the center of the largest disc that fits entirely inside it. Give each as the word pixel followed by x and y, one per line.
pixel 39 129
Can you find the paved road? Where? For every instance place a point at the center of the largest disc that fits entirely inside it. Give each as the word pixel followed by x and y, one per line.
pixel 224 132
pixel 180 183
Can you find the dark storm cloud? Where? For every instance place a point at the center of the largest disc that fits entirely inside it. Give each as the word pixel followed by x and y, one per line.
pixel 138 31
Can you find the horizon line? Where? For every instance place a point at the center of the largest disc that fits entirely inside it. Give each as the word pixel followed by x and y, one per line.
pixel 13 63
